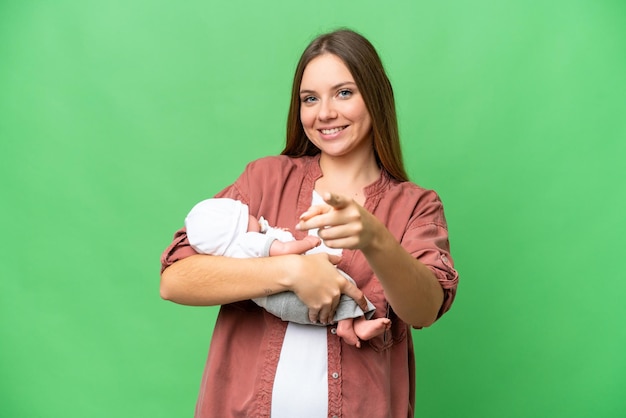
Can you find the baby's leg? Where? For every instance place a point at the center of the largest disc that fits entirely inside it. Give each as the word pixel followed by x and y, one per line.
pixel 345 330
pixel 367 329
pixel 354 330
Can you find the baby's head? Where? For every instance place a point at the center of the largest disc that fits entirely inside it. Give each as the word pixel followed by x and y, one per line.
pixel 224 220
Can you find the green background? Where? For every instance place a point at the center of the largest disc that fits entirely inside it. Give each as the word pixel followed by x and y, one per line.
pixel 117 116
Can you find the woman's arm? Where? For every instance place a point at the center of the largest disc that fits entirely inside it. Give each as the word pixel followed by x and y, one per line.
pixel 411 288
pixel 205 280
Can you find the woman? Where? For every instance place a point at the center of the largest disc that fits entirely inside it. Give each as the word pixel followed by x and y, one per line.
pixel 341 174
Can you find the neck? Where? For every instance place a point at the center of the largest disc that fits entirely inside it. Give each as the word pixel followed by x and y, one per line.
pixel 347 176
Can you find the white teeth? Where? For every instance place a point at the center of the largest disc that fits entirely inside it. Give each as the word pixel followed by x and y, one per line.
pixel 330 131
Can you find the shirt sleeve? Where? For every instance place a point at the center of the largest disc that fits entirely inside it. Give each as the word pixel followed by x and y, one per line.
pixel 426 238
pixel 251 245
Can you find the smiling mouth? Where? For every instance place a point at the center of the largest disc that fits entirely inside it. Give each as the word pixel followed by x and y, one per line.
pixel 333 130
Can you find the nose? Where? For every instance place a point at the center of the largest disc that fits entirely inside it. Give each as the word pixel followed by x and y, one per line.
pixel 326 111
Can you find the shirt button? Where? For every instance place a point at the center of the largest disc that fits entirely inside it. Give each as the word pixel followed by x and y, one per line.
pixel 333 331
pixel 335 375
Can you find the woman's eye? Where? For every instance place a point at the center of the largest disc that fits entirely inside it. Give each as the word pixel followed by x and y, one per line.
pixel 344 94
pixel 308 99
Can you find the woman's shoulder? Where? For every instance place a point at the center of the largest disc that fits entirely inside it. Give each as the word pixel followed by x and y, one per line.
pixel 278 163
pixel 408 190
pixel 412 199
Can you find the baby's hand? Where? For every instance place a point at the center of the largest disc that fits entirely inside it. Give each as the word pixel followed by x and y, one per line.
pixel 312 240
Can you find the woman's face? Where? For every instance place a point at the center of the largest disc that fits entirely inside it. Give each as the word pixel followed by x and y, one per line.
pixel 332 110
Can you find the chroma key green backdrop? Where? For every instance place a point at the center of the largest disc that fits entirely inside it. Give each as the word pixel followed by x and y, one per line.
pixel 117 116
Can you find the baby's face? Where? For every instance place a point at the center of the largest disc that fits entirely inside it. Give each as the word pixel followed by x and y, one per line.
pixel 253 224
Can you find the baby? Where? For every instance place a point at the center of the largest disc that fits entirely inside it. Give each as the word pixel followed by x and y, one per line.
pixel 222 226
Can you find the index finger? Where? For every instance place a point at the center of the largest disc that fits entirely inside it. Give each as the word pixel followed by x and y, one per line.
pixel 355 293
pixel 313 211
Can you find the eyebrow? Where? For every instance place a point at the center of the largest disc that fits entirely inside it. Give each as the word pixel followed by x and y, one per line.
pixel 335 87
